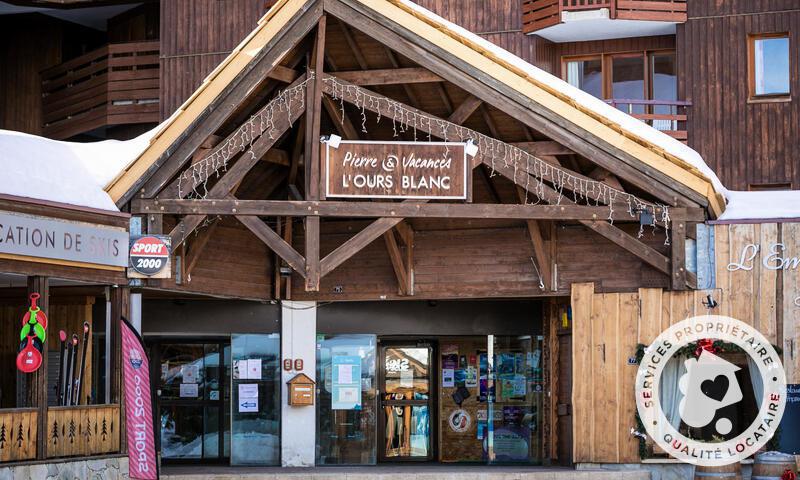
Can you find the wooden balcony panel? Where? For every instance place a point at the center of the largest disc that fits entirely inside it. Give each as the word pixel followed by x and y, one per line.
pixel 113 85
pixel 540 14
pixel 18 430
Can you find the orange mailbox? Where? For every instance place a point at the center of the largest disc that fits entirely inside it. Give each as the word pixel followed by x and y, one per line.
pixel 301 390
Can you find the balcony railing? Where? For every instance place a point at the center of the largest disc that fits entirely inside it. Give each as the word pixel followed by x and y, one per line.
pixel 541 14
pixel 669 116
pixel 113 85
pixel 85 430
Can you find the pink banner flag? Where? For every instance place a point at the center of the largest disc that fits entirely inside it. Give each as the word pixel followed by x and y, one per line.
pixel 138 406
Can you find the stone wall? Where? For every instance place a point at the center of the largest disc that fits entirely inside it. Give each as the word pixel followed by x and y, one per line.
pixel 104 468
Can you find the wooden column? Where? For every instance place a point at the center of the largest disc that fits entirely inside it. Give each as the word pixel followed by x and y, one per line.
pixel 312 160
pixel 120 298
pixel 35 384
pixel 678 260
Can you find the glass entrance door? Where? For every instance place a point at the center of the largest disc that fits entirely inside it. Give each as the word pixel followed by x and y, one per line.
pixel 192 399
pixel 405 393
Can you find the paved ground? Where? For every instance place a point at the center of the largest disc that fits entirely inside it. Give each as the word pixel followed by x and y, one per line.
pixel 395 472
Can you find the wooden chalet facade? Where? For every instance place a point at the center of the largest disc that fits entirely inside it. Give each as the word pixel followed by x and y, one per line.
pixel 494 328
pixel 37 426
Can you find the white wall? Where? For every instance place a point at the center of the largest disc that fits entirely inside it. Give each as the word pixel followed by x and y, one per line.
pixel 298 341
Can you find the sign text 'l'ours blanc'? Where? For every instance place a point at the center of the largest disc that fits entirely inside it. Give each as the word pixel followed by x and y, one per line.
pixel 424 170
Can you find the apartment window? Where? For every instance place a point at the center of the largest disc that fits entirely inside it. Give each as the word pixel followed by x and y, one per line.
pixel 586 74
pixel 643 84
pixel 768 65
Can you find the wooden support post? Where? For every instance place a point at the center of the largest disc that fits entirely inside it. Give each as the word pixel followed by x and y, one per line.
pixel 313 269
pixel 396 257
pixel 539 248
pixel 155 223
pixel 36 383
pixel 678 263
pixel 120 303
pixel 314 115
pixel 287 237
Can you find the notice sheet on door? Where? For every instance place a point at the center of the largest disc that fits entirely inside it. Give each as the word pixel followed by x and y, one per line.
pixel 346 382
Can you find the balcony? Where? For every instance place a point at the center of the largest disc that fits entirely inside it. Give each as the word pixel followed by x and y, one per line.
pixel 668 116
pixel 583 20
pixel 114 85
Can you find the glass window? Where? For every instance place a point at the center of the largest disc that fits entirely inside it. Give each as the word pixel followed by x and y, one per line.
pixel 586 75
pixel 189 396
pixel 664 87
pixel 769 57
pixel 346 423
pixel 255 399
pixel 627 82
pixel 516 406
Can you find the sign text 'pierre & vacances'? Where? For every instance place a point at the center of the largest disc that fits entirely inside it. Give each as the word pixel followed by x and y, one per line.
pixel 363 169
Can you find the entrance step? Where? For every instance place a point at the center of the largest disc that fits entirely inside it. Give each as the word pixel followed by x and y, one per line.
pixel 400 472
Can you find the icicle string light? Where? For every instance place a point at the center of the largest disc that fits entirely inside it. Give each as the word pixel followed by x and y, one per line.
pixel 260 123
pixel 495 152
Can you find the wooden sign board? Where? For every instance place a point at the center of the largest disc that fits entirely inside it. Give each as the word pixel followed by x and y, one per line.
pixel 423 170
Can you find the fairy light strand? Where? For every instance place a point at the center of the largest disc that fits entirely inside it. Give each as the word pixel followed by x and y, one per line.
pixel 498 153
pixel 261 123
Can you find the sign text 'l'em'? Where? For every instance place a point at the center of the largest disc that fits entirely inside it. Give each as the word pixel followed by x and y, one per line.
pixel 362 169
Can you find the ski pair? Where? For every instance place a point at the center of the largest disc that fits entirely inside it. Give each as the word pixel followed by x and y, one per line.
pixel 70 377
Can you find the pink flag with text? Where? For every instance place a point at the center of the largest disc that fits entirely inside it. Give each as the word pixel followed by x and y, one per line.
pixel 138 406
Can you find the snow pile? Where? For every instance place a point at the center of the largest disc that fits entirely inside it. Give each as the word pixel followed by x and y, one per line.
pixel 65 172
pixel 762 205
pixel 627 122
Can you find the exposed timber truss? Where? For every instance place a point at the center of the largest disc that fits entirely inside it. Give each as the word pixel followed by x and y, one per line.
pixel 548 183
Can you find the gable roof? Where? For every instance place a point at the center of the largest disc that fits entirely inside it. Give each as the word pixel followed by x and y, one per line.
pixel 646 144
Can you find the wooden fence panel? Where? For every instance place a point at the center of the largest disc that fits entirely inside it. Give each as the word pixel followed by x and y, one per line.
pixel 82 430
pixel 18 428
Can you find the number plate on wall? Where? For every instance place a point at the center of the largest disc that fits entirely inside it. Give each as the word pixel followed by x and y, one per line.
pixel 424 170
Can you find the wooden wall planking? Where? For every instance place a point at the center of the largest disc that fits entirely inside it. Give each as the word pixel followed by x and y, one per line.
pixel 743 141
pixel 27 45
pixel 763 297
pixel 196 35
pixel 605 330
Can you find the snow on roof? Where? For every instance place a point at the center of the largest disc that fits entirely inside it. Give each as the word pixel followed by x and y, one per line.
pixel 65 172
pixel 762 205
pixel 625 121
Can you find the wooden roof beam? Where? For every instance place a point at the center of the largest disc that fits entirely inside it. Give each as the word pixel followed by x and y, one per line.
pixel 465 110
pixel 544 147
pixel 412 208
pixel 223 106
pixel 389 76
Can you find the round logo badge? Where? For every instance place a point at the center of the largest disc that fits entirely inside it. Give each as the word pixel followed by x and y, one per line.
pixel 701 392
pixel 149 255
pixel 459 420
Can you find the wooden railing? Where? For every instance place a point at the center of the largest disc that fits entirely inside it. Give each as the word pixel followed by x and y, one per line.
pixel 82 430
pixel 18 430
pixel 668 116
pixel 113 85
pixel 540 14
